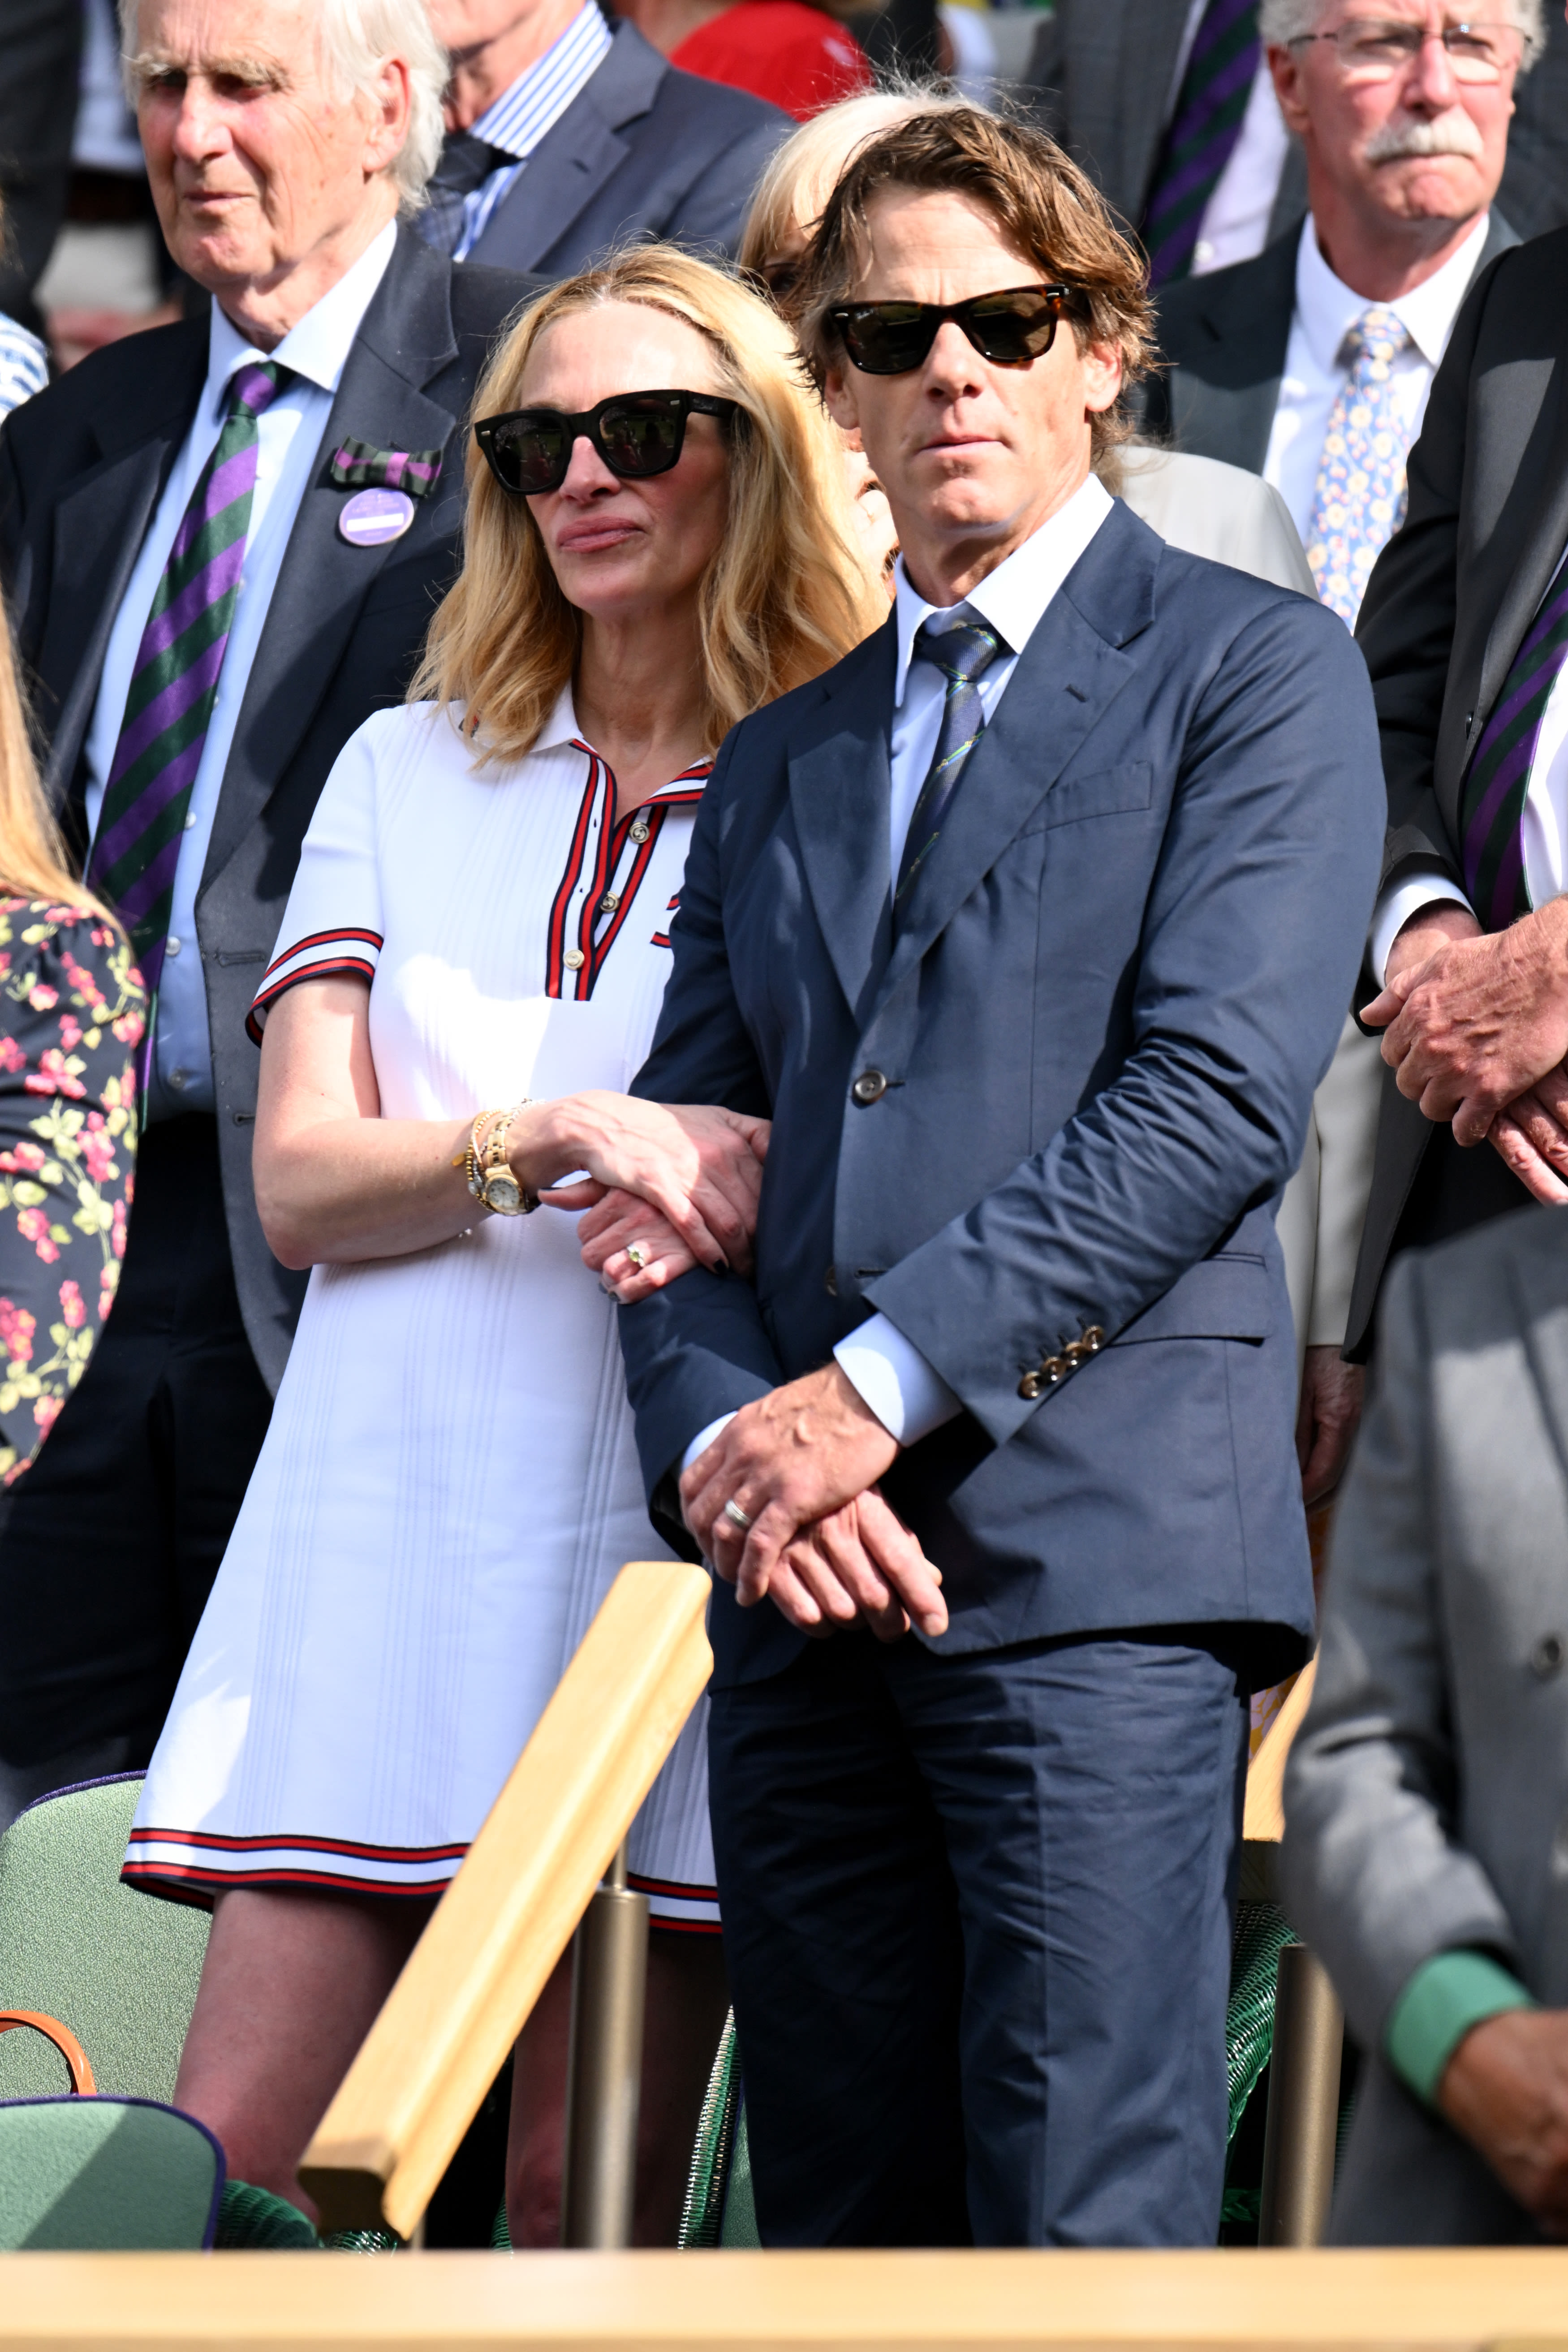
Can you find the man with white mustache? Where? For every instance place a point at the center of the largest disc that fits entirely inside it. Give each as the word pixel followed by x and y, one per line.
pixel 1312 366
pixel 1403 112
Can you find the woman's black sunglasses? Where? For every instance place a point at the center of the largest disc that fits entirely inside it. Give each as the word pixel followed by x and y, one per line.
pixel 1013 327
pixel 635 433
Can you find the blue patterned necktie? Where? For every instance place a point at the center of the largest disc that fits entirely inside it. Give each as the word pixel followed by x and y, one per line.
pixel 963 654
pixel 1359 502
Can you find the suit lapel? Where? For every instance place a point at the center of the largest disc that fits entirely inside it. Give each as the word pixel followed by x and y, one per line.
pixel 98 533
pixel 1532 568
pixel 1223 400
pixel 406 337
pixel 1141 58
pixel 840 786
pixel 1069 674
pixel 574 159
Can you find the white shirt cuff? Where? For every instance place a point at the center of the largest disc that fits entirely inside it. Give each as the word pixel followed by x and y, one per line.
pixel 1399 902
pixel 907 1396
pixel 704 1439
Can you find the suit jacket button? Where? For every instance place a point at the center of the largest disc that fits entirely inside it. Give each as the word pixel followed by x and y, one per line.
pixel 830 1282
pixel 1029 1387
pixel 869 1087
pixel 1546 1658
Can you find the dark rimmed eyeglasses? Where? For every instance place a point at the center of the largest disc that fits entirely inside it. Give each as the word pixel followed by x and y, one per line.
pixel 1375 49
pixel 635 433
pixel 1013 327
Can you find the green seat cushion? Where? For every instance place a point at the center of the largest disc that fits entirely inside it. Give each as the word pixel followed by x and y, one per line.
pixel 105 2175
pixel 119 1968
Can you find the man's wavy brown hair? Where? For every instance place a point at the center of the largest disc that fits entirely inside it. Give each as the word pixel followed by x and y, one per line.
pixel 1040 201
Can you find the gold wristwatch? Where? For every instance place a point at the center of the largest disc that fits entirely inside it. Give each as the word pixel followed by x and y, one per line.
pixel 498 1187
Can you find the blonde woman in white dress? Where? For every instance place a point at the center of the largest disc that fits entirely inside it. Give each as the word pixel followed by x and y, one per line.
pixel 658 541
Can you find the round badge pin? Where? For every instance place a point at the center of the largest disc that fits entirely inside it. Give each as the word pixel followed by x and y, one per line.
pixel 373 517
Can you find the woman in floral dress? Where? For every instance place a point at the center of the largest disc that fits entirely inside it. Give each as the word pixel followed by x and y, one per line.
pixel 72 1011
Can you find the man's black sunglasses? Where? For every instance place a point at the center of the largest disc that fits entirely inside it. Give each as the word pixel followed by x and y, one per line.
pixel 1012 328
pixel 635 433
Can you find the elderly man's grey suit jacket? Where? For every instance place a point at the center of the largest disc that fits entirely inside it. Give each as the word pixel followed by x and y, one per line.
pixel 1426 1798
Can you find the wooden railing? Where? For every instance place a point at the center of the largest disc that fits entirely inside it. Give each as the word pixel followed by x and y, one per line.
pixel 509 1915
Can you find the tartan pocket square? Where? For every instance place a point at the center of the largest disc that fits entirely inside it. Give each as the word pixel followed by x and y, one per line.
pixel 361 466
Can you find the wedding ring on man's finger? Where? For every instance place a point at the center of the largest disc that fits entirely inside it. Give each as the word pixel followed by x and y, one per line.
pixel 637 1255
pixel 737 1516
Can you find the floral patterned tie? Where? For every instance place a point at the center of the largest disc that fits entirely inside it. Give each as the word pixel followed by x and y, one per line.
pixel 1359 502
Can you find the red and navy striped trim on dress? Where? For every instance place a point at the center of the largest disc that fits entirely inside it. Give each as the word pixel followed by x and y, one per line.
pixel 194 1866
pixel 318 956
pixel 576 947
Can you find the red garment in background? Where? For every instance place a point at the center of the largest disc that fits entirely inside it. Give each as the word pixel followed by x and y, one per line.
pixel 778 49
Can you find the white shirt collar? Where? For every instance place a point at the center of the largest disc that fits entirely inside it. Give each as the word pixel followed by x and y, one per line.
pixel 1328 308
pixel 1014 597
pixel 561 728
pixel 318 345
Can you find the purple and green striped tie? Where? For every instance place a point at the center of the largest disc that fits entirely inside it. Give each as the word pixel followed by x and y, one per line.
pixel 1491 804
pixel 174 684
pixel 1203 131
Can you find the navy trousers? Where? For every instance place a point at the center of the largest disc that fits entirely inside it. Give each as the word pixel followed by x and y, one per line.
pixel 977 1915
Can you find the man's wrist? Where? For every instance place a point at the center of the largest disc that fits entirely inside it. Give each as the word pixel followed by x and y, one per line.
pixel 895 1381
pixel 1447 1996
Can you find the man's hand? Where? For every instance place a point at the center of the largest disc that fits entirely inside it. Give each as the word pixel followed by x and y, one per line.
pixel 853 1564
pixel 1531 1136
pixel 1480 1020
pixel 1506 2088
pixel 787 1461
pixel 1326 1420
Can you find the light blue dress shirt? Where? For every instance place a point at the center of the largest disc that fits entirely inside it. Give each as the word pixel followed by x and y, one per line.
pixel 290 436
pixel 907 1396
pixel 533 104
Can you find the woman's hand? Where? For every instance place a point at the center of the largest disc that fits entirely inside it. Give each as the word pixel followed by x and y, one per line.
pixel 619 1222
pixel 700 1167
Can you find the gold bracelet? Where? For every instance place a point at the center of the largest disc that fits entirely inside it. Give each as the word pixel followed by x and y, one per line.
pixel 470 1159
pixel 501 1190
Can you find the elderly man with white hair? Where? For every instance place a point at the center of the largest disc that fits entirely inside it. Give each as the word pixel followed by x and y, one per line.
pixel 222 542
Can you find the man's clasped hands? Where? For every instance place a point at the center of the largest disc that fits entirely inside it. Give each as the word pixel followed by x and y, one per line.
pixel 801 1464
pixel 1476 1029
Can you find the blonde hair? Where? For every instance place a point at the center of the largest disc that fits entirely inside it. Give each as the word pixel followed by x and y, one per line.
pixel 796 186
pixel 32 855
pixel 785 597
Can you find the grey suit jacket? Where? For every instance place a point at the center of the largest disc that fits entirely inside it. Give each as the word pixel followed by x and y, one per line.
pixel 1224 339
pixel 642 150
pixel 1103 75
pixel 1426 1795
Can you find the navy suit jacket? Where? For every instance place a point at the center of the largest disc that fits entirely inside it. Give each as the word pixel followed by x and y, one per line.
pixel 1120 979
pixel 642 150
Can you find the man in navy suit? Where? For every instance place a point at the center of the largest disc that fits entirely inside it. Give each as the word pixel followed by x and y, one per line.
pixel 1030 925
pixel 565 136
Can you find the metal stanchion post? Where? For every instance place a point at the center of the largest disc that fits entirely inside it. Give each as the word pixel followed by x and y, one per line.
pixel 1303 2103
pixel 603 2077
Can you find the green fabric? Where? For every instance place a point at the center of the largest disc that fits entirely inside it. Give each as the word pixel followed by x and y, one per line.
pixel 117 1967
pixel 1260 1934
pixel 91 2175
pixel 739 2226
pixel 251 2219
pixel 1446 1995
pixel 704 2210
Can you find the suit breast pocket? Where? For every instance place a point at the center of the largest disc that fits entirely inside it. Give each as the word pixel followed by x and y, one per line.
pixel 1126 790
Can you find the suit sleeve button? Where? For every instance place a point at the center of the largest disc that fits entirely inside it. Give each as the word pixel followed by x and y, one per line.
pixel 1094 1339
pixel 1055 1369
pixel 1076 1353
pixel 1029 1387
pixel 869 1087
pixel 1548 1655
